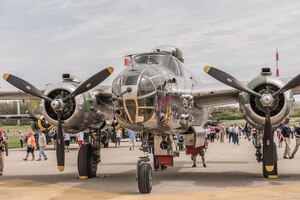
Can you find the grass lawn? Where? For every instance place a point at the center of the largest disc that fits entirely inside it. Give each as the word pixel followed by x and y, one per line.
pixel 14 142
pixel 13 137
pixel 15 129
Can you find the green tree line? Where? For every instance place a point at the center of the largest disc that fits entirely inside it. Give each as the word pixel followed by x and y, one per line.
pixel 10 108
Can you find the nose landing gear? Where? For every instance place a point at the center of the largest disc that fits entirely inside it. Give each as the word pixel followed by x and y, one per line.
pixel 144 175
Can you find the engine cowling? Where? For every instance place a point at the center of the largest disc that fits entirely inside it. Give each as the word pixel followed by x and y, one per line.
pixel 252 109
pixel 41 123
pixel 77 111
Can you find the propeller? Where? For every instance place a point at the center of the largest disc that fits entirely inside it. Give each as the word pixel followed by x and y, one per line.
pixel 90 83
pixel 266 99
pixel 229 80
pixel 25 86
pixel 58 104
pixel 290 85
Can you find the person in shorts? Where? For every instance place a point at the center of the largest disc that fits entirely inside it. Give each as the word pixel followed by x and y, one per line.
pixel 67 142
pixel 201 152
pixel 30 146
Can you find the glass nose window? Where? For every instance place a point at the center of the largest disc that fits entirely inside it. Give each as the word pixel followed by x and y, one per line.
pixel 145 86
pixel 131 80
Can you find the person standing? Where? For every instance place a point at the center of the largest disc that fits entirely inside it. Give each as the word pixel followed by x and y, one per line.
pixel 207 132
pixel 230 131
pixel 201 152
pixel 42 145
pixel 131 135
pixel 6 135
pixel 212 134
pixel 21 138
pixel 297 135
pixel 222 132
pixel 118 136
pixel 30 146
pixel 3 150
pixel 67 140
pixel 236 134
pixel 280 137
pixel 286 133
pixel 80 136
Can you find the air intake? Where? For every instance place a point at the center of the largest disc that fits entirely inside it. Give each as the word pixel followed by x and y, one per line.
pixel 266 71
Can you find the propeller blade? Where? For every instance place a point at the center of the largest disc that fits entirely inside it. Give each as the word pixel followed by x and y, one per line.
pixel 32 115
pixel 60 146
pixel 290 85
pixel 25 86
pixel 268 142
pixel 90 83
pixel 229 80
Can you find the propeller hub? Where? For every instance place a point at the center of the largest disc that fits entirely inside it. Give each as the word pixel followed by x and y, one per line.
pixel 57 104
pixel 267 100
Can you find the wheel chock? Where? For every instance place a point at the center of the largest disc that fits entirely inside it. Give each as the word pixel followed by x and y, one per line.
pixel 273 177
pixel 83 177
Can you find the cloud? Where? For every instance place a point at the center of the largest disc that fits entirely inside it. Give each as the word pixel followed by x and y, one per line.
pixel 42 39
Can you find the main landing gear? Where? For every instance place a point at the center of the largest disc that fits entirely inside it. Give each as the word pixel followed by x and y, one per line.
pixel 87 161
pixel 89 157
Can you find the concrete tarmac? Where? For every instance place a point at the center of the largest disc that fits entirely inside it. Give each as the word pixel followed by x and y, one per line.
pixel 232 172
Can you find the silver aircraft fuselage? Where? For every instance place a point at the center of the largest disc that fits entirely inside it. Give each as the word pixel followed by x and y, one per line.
pixel 155 94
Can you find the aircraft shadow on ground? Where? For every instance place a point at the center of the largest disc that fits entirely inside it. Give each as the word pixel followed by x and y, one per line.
pixel 125 182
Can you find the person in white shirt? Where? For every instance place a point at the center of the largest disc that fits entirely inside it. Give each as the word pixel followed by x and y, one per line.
pixel 42 145
pixel 230 130
pixel 67 141
pixel 80 139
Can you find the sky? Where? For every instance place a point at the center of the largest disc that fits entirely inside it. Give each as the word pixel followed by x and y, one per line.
pixel 41 39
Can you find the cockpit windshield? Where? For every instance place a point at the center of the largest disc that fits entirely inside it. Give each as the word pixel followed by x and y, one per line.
pixel 164 60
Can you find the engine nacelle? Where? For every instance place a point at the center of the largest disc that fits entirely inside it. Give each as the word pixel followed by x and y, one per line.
pixel 41 123
pixel 78 112
pixel 252 109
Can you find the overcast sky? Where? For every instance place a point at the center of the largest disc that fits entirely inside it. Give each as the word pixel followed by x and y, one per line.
pixel 41 39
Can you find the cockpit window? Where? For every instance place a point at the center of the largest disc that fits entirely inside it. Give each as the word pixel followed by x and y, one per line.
pixel 131 80
pixel 166 61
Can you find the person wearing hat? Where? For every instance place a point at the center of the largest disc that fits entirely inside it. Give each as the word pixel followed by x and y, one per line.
pixel 3 148
pixel 30 146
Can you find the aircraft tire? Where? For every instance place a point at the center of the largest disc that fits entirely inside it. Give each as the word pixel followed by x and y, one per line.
pixel 145 178
pixel 275 171
pixel 87 162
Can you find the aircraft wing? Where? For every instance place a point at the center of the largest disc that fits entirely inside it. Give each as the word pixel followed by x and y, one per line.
pixel 20 116
pixel 16 95
pixel 210 98
pixel 296 90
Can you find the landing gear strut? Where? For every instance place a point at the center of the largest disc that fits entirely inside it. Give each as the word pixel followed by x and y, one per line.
pixel 144 170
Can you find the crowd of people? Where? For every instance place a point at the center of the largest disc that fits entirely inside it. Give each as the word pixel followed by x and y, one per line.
pixel 217 133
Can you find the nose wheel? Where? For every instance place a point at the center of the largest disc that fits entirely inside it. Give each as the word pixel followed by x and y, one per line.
pixel 144 177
